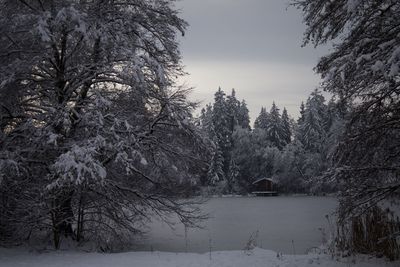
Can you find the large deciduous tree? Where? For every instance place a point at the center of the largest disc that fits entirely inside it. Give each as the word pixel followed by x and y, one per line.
pixel 95 136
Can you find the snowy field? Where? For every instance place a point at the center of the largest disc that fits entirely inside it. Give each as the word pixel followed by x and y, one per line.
pixel 287 224
pixel 258 257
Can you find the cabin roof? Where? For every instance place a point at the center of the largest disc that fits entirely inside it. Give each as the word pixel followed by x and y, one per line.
pixel 261 179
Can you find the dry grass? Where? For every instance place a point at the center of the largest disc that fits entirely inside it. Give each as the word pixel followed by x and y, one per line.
pixel 374 233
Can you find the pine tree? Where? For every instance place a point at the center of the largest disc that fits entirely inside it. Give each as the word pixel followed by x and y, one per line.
pixel 312 130
pixel 232 177
pixel 220 118
pixel 332 115
pixel 221 122
pixel 262 121
pixel 275 131
pixel 233 106
pixel 286 128
pixel 302 113
pixel 206 122
pixel 243 116
pixel 215 172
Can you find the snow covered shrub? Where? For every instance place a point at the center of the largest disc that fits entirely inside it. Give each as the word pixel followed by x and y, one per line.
pixel 251 243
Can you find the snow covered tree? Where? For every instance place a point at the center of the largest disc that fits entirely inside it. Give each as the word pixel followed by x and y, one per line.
pixel 243 116
pixel 206 123
pixel 222 123
pixel 94 130
pixel 219 121
pixel 302 113
pixel 316 135
pixel 311 130
pixel 232 177
pixel 262 121
pixel 272 124
pixel 246 155
pixel 275 131
pixel 364 68
pixel 232 105
pixel 215 172
pixel 332 114
pixel 286 127
pixel 260 165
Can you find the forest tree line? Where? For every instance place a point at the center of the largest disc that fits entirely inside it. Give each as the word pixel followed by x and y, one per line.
pixel 294 153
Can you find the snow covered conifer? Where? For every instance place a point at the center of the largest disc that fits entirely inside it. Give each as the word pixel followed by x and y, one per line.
pixel 232 177
pixel 222 124
pixel 220 121
pixel 286 127
pixel 312 130
pixel 232 105
pixel 262 121
pixel 275 131
pixel 206 122
pixel 243 116
pixel 215 172
pixel 363 70
pixel 302 113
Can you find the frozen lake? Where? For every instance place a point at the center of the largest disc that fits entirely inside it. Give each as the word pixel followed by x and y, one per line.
pixel 284 224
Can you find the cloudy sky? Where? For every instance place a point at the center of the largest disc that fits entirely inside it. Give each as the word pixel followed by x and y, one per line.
pixel 253 46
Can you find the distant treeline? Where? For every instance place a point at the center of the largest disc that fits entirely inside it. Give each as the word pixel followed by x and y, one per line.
pixel 295 153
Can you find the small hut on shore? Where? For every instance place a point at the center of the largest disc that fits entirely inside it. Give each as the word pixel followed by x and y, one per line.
pixel 264 187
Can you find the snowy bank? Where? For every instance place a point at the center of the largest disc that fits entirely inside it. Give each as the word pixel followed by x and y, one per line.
pixel 254 258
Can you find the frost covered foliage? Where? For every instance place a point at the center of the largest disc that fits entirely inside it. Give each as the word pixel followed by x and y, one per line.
pixel 95 136
pixel 218 122
pixel 303 162
pixel 294 154
pixel 276 126
pixel 362 69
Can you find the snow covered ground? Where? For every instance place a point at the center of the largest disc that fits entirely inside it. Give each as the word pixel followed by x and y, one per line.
pixel 257 257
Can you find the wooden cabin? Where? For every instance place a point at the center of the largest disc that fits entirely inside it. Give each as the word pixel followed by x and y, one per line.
pixel 264 187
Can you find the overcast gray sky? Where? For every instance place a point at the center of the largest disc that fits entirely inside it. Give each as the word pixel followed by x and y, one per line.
pixel 253 46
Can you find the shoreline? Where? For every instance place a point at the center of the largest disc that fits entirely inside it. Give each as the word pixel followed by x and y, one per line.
pixel 256 257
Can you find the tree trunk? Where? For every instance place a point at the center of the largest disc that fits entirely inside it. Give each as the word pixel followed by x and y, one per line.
pixel 62 217
pixel 79 231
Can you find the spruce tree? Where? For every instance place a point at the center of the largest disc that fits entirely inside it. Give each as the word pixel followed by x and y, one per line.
pixel 232 177
pixel 262 121
pixel 302 113
pixel 243 116
pixel 215 172
pixel 206 122
pixel 312 130
pixel 286 128
pixel 232 106
pixel 220 119
pixel 221 122
pixel 275 128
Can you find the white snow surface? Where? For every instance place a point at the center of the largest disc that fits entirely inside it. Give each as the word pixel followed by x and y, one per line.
pixel 256 257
